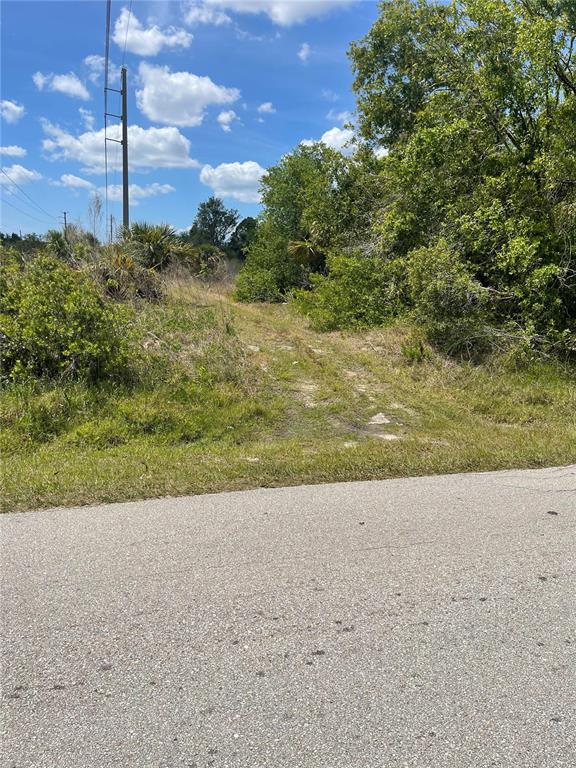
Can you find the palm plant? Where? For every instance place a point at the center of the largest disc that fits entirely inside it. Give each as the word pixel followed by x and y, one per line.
pixel 151 245
pixel 308 254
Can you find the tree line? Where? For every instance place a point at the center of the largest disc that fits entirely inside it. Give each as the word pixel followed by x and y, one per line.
pixel 456 204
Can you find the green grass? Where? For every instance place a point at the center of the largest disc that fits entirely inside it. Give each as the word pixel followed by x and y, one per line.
pixel 229 396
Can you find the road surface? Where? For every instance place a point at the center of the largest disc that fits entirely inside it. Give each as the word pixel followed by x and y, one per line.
pixel 416 622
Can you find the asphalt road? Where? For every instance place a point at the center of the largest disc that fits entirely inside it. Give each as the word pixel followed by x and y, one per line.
pixel 418 622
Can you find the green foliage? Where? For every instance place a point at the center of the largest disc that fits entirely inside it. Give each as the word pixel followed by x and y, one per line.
pixel 75 246
pixel 258 284
pixel 204 261
pixel 191 383
pixel 23 244
pixel 315 200
pixel 268 272
pixel 358 291
pixel 153 246
pixel 241 238
pixel 214 224
pixel 55 323
pixel 122 278
pixel 476 102
pixel 449 304
pixel 468 221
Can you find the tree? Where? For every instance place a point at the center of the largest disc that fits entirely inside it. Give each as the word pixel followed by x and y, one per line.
pixel 468 219
pixel 476 101
pixel 95 207
pixel 314 199
pixel 241 238
pixel 214 223
pixel 25 244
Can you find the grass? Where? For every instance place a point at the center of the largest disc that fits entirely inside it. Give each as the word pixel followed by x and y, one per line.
pixel 230 396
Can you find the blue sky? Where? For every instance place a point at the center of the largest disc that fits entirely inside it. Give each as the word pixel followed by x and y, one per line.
pixel 218 91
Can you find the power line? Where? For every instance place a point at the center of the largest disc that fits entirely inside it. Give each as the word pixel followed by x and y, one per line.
pixel 126 36
pixel 28 196
pixel 42 221
pixel 122 116
pixel 107 50
pixel 15 195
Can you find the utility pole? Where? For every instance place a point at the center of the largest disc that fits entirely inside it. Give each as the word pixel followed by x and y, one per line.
pixel 125 200
pixel 123 141
pixel 111 228
pixel 65 224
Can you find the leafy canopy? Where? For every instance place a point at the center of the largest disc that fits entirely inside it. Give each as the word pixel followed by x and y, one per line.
pixel 214 223
pixel 459 204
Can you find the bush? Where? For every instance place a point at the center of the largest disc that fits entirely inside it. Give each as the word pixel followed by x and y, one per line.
pixel 76 247
pixel 268 272
pixel 205 261
pixel 54 322
pixel 122 278
pixel 451 306
pixel 257 285
pixel 152 246
pixel 358 291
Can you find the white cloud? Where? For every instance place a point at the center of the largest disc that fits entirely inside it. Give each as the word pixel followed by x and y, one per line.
pixel 11 111
pixel 336 138
pixel 240 181
pixel 148 148
pixel 96 64
pixel 285 13
pixel 179 98
pixel 339 117
pixel 69 84
pixel 13 151
pixel 381 152
pixel 137 192
pixel 226 118
pixel 199 12
pixel 329 95
pixel 267 108
pixel 74 182
pixel 304 53
pixel 19 175
pixel 87 118
pixel 149 41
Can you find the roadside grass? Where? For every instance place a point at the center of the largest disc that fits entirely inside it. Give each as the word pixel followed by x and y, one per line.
pixel 227 396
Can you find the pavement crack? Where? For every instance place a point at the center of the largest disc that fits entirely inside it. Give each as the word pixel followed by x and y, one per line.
pixel 395 546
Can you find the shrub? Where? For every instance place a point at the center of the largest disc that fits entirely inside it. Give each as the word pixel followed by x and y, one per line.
pixel 122 278
pixel 268 271
pixel 205 261
pixel 150 245
pixel 358 291
pixel 54 322
pixel 75 247
pixel 257 285
pixel 451 306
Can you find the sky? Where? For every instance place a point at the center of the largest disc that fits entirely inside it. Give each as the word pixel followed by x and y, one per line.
pixel 218 91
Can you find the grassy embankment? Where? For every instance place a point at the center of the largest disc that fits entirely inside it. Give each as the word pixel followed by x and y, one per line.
pixel 231 396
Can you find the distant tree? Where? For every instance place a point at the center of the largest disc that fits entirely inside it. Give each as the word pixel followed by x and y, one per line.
pixel 95 208
pixel 241 238
pixel 214 223
pixel 23 244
